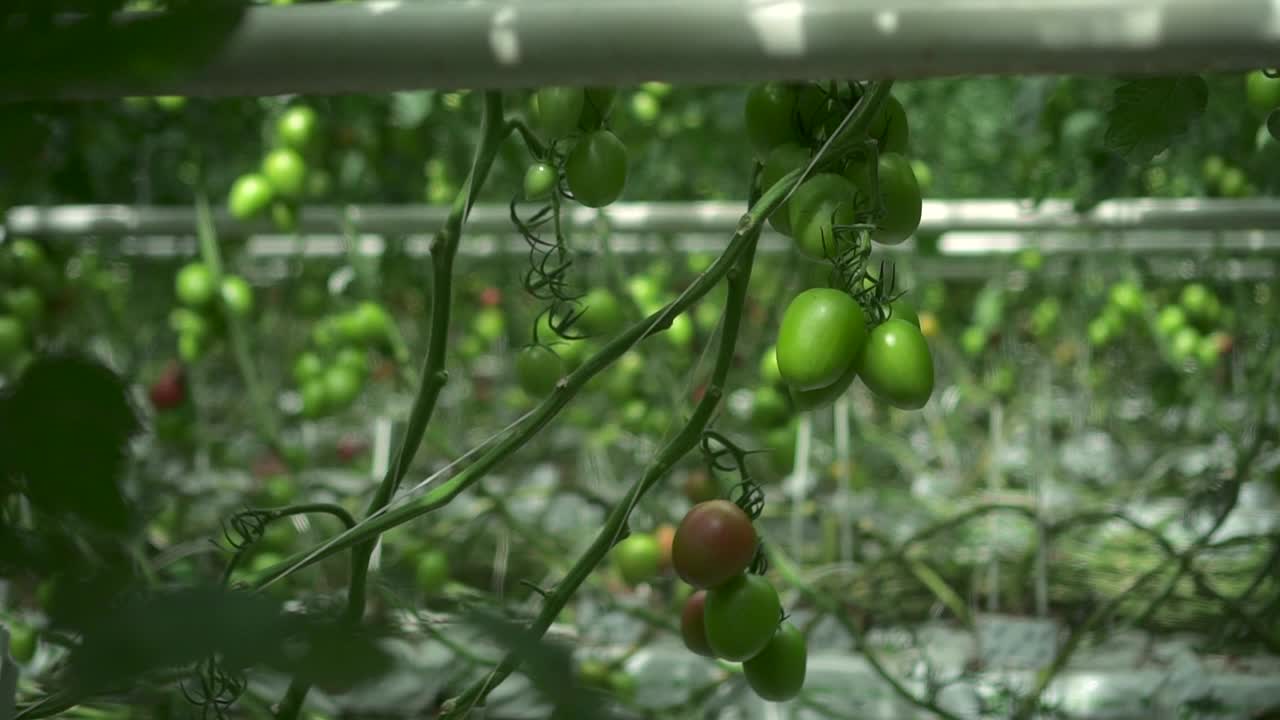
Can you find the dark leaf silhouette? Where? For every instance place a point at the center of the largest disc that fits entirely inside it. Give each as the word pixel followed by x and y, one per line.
pixel 64 432
pixel 176 628
pixel 333 655
pixel 52 48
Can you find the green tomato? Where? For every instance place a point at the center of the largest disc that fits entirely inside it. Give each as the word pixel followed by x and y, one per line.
pixel 315 397
pixel 593 674
pixel 341 386
pixel 1233 183
pixel 538 369
pixel 29 259
pixel 769 407
pixel 769 372
pixel 634 414
pixel 194 285
pixel 186 320
pixel 353 359
pixel 707 315
pixel 1099 331
pixel 284 216
pixel 899 192
pixel 307 367
pixel 637 558
pixel 622 684
pixel 821 202
pixel 596 169
pixel 1196 300
pixel 1171 319
pixel 645 290
pixel 624 378
pixel 237 296
pixel 601 313
pixel 1273 125
pixel 781 160
pixel 903 309
pixel 286 171
pixel 297 128
pixel 22 642
pixel 432 571
pixel 897 366
pixel 265 561
pixel 250 196
pixel 1031 260
pixel 644 107
pixel 281 490
pixel 805 400
pixel 489 324
pixel 973 340
pixel 1127 298
pixel 190 346
pixel 1262 92
pixel 771 117
pixel 777 672
pixel 680 333
pixel 370 322
pixel 1185 344
pixel 741 617
pixel 557 110
pixel 13 337
pixel 820 338
pixel 889 128
pixel 539 180
pixel 1045 316
pixel 25 304
pixel 1212 168
pixel 924 175
pixel 1208 351
pixel 597 103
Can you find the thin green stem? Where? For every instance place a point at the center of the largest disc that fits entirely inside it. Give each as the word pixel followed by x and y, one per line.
pixel 237 333
pixel 791 576
pixel 615 524
pixel 444 248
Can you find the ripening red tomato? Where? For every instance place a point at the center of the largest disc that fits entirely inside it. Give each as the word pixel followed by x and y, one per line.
pixel 714 542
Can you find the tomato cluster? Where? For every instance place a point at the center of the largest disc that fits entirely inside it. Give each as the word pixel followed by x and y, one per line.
pixel 282 179
pixel 30 282
pixel 201 295
pixel 595 168
pixel 1188 329
pixel 331 373
pixel 735 615
pixel 829 336
pixel 873 184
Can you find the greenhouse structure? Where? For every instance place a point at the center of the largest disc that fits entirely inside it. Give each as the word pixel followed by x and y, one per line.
pixel 715 360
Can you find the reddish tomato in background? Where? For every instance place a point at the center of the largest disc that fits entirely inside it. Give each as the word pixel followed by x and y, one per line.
pixel 490 297
pixel 693 627
pixel 169 390
pixel 665 535
pixel 351 447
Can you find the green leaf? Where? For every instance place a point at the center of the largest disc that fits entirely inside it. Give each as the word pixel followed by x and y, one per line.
pixel 1149 114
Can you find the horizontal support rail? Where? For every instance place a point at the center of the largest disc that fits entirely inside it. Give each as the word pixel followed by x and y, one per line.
pixel 992 216
pixel 390 45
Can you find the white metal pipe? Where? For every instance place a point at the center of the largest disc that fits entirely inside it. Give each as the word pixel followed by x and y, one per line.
pixel 986 216
pixel 389 45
